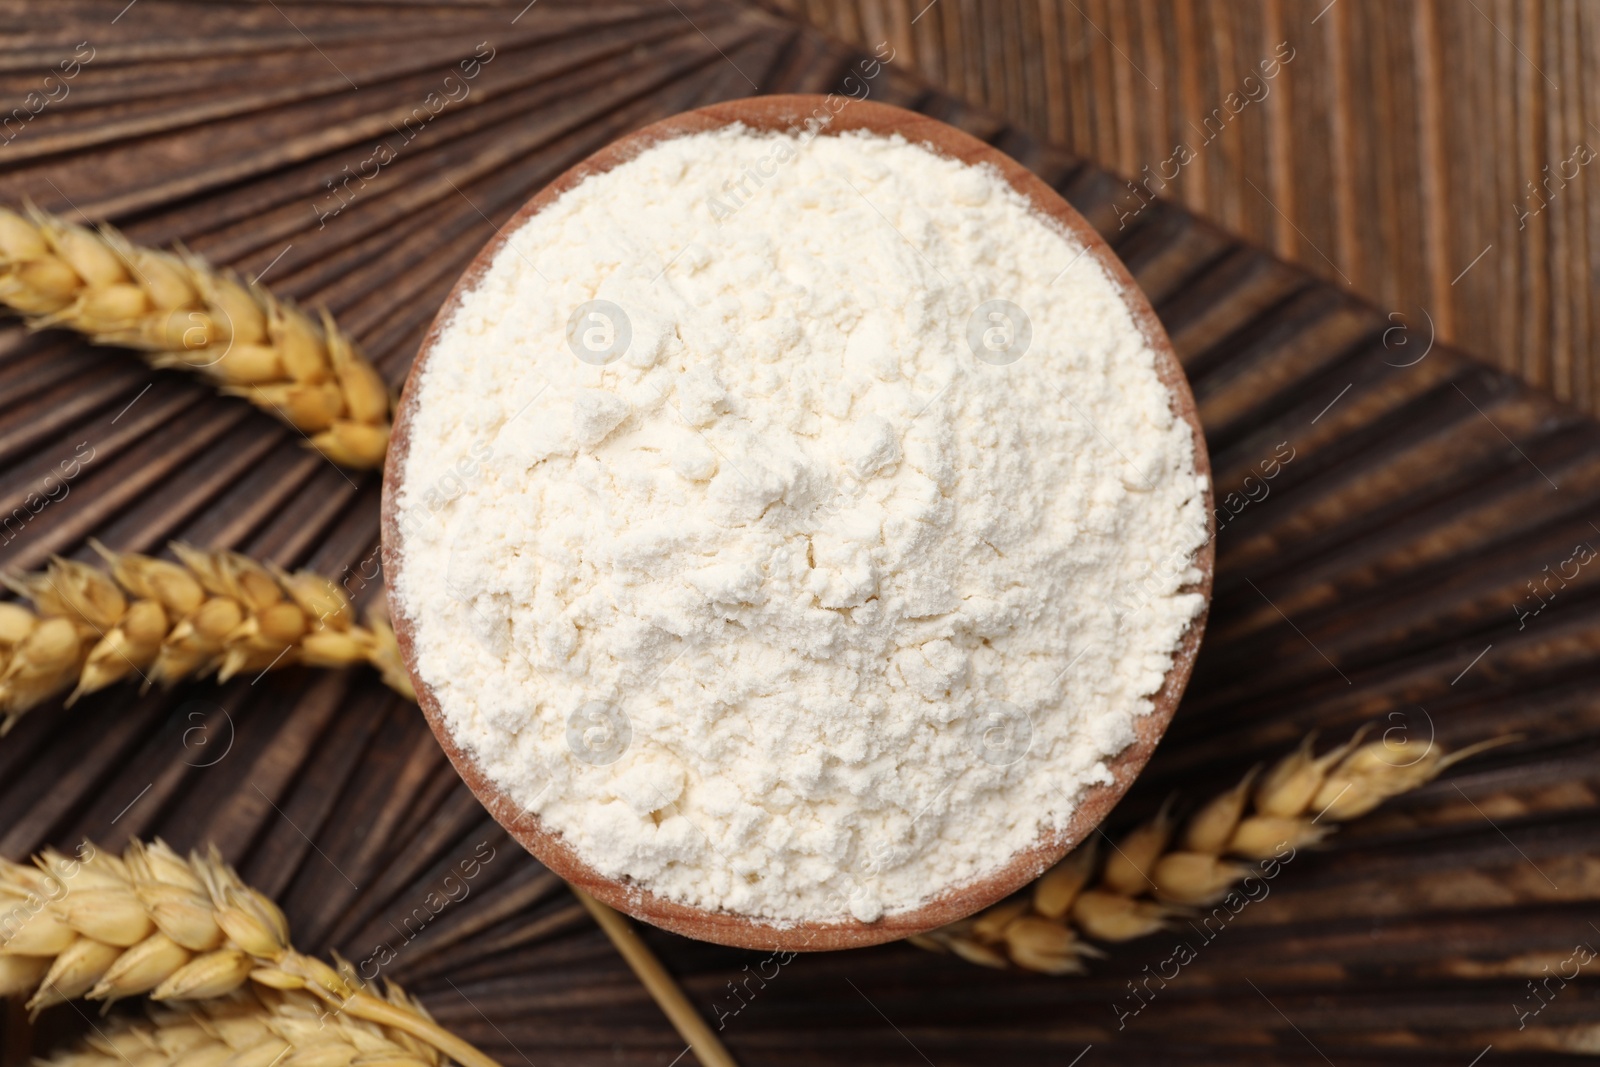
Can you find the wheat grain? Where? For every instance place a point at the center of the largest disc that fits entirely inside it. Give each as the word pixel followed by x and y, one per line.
pixel 251 1026
pixel 105 927
pixel 1145 881
pixel 185 314
pixel 164 621
pixel 110 926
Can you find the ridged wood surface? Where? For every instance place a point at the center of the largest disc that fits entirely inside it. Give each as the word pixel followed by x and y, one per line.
pixel 1375 579
pixel 1403 139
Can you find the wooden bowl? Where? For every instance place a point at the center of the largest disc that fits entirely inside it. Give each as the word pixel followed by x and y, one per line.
pixel 776 113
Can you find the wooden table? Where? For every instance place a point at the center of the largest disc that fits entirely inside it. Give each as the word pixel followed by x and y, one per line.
pixel 1404 140
pixel 1376 583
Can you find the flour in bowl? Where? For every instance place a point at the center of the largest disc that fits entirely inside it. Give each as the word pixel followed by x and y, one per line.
pixel 796 525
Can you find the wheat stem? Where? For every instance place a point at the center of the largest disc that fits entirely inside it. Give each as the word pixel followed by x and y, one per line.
pixel 164 621
pixel 1154 874
pixel 667 994
pixel 185 314
pixel 415 1023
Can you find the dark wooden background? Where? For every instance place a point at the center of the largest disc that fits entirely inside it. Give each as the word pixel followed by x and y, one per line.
pixel 1377 583
pixel 1389 154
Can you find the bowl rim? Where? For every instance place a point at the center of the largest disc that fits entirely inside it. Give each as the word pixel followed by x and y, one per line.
pixel 789 112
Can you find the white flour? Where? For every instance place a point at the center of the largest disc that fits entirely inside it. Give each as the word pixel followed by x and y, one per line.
pixel 796 608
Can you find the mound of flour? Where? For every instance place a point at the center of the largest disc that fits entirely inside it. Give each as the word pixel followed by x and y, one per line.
pixel 796 525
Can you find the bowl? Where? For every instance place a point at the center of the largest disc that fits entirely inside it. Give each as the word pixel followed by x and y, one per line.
pixel 777 113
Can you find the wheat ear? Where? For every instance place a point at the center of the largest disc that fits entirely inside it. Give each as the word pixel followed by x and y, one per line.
pixel 165 621
pixel 1156 873
pixel 150 921
pixel 186 314
pixel 252 1025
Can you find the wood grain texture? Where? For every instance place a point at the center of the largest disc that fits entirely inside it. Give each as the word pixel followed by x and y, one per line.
pixel 1376 576
pixel 1403 140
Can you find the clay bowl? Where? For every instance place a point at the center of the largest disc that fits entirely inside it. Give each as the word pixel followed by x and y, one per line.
pixel 770 113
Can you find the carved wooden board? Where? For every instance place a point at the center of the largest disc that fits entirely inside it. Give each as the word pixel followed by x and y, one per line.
pixel 1417 503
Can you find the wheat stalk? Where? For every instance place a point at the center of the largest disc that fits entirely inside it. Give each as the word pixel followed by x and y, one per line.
pixel 185 314
pixel 252 1025
pixel 164 621
pixel 658 982
pixel 1155 874
pixel 150 921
